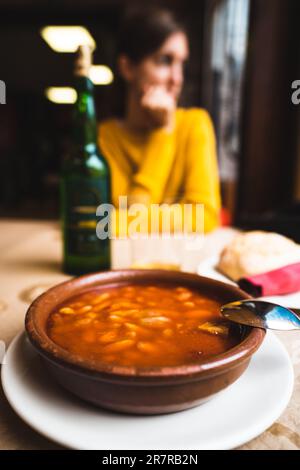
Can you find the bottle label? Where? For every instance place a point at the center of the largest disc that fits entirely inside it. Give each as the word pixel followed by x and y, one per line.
pixel 82 198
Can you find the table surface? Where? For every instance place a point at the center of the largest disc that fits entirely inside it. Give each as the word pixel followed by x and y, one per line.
pixel 31 263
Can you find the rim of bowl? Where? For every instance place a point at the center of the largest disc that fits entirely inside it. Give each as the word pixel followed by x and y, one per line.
pixel 58 355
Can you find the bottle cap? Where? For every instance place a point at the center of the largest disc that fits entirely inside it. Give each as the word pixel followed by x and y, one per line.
pixel 83 61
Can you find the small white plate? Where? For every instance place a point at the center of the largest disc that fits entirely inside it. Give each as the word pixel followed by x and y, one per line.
pixel 207 268
pixel 238 414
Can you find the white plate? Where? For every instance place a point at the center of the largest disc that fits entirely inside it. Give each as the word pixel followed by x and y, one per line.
pixel 235 416
pixel 207 269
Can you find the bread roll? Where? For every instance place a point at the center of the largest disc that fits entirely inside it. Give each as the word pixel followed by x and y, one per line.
pixel 257 252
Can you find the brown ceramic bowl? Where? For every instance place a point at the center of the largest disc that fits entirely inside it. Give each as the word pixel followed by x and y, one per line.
pixel 134 390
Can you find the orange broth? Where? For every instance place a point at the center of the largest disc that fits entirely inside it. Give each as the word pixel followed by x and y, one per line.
pixel 141 325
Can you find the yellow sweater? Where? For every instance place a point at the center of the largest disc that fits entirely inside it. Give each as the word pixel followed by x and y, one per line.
pixel 166 167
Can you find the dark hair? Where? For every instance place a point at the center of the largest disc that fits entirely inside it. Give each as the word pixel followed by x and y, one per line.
pixel 143 30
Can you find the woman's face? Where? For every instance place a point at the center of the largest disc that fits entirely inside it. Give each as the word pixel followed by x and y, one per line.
pixel 163 68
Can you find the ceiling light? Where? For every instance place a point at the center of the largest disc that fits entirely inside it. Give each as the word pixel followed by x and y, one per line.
pixel 61 95
pixel 101 75
pixel 67 38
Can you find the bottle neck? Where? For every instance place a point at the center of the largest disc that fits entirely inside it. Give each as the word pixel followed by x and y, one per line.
pixel 84 118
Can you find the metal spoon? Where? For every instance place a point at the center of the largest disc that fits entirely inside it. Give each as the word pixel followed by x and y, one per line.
pixel 262 315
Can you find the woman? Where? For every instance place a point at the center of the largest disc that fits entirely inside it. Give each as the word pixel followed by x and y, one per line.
pixel 159 153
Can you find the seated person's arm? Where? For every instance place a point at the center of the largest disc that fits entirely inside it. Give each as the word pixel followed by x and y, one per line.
pixel 148 184
pixel 202 179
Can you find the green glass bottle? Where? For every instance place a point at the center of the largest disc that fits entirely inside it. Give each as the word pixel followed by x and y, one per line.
pixel 85 182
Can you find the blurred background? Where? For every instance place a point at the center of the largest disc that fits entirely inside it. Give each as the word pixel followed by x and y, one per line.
pixel 245 55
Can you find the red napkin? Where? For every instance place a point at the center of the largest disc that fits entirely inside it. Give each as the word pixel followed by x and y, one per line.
pixel 279 281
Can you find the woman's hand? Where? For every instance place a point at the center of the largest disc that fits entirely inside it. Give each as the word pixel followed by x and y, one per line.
pixel 160 106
